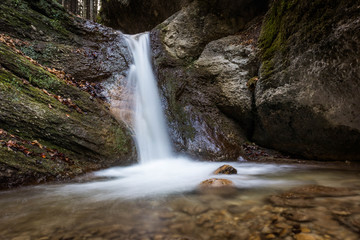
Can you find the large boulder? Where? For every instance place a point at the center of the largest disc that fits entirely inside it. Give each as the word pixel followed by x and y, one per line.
pixel 53 123
pixel 57 39
pixel 232 62
pixel 197 68
pixel 187 32
pixel 307 99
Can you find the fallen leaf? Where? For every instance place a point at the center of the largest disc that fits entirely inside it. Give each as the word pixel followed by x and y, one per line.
pixel 46 92
pixel 36 143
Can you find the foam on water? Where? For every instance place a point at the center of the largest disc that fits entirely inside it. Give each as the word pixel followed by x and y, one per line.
pixel 170 176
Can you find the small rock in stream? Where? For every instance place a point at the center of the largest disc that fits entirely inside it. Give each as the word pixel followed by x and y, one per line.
pixel 218 186
pixel 225 169
pixel 216 182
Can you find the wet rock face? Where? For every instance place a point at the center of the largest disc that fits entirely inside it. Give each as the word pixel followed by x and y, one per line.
pixel 197 126
pixel 136 16
pixel 203 77
pixel 308 94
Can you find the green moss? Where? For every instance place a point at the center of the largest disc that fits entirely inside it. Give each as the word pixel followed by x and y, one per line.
pixel 57 25
pixel 121 141
pixel 23 68
pixel 25 19
pixel 47 53
pixel 273 37
pixel 178 113
pixel 291 25
pixel 251 84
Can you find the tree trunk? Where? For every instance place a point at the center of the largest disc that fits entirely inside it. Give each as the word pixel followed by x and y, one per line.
pixel 91 10
pixel 95 9
pixel 73 6
pixel 87 8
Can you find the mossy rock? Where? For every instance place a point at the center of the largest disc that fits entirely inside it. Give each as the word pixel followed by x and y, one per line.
pixel 308 92
pixel 92 138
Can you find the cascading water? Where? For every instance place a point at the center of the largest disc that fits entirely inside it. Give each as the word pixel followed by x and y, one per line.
pixel 160 171
pixel 150 127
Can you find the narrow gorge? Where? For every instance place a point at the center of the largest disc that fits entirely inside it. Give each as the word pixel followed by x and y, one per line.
pixel 188 119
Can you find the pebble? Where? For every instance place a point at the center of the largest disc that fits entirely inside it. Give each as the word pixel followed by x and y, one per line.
pixel 282 225
pixel 195 209
pixel 266 230
pixel 306 236
pixel 341 213
pixel 21 238
pixel 298 215
pixel 158 237
pixel 270 236
pixel 284 232
pixel 305 230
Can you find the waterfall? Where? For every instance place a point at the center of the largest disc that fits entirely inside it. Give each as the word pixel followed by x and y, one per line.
pixel 135 101
pixel 149 123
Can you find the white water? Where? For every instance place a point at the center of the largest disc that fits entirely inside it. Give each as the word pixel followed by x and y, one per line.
pixel 150 128
pixel 159 171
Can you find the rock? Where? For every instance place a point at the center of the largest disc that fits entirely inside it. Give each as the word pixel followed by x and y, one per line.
pixel 219 187
pixel 225 169
pixel 307 95
pixel 311 191
pixel 270 236
pixel 352 221
pixel 299 215
pixel 136 16
pixel 298 202
pixel 195 209
pixel 266 230
pixel 60 130
pixel 196 125
pixel 21 238
pixel 305 236
pixel 187 32
pixel 232 63
pixel 304 196
pixel 305 230
pixel 86 50
pixel 216 183
pixel 200 117
pixel 341 213
pixel 283 225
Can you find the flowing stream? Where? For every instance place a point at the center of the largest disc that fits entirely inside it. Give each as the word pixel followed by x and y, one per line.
pixel 159 198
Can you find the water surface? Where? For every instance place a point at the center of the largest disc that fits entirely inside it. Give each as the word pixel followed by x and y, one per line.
pixel 164 202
